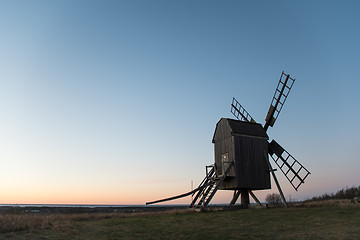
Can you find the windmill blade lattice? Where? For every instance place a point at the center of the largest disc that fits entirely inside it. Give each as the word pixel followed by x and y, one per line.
pixel 240 113
pixel 281 93
pixel 293 170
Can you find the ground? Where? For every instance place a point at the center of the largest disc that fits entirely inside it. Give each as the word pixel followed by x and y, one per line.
pixel 333 221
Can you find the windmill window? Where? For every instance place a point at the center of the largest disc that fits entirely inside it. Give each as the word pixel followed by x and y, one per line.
pixel 225 157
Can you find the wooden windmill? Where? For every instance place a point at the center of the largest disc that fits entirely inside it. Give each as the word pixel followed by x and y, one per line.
pixel 242 148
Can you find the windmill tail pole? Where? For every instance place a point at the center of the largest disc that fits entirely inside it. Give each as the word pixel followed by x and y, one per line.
pixel 178 196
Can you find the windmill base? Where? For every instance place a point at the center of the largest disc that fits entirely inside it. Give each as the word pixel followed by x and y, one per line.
pixel 245 200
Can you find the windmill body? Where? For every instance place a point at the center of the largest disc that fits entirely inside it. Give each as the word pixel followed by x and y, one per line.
pixel 246 145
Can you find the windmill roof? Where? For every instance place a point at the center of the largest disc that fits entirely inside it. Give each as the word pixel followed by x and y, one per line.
pixel 244 128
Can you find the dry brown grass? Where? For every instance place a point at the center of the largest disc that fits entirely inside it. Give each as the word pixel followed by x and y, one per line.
pixel 33 222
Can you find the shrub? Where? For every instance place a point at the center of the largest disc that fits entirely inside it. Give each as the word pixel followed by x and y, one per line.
pixel 273 199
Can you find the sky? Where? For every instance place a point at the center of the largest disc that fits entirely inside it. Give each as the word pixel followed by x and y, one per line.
pixel 116 102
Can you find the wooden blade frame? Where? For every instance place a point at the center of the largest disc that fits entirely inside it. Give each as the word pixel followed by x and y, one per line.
pixel 294 171
pixel 281 93
pixel 240 113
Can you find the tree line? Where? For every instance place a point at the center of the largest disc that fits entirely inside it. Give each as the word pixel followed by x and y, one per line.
pixel 345 193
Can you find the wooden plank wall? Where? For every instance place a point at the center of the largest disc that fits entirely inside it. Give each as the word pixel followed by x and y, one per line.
pixel 250 163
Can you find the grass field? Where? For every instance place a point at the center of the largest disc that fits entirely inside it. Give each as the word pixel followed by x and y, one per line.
pixel 325 222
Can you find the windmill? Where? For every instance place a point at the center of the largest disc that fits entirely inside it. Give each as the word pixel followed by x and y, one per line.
pixel 242 148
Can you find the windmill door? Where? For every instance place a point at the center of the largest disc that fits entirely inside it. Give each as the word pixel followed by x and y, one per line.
pixel 225 164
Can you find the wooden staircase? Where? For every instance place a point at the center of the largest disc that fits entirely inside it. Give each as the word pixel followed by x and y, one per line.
pixel 209 186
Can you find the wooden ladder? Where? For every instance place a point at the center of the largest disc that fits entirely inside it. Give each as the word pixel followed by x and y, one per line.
pixel 211 184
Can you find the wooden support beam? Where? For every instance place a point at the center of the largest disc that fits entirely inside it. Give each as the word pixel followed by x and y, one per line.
pixel 235 197
pixel 276 181
pixel 255 198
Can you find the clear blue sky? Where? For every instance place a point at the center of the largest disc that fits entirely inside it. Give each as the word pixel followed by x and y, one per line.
pixel 116 102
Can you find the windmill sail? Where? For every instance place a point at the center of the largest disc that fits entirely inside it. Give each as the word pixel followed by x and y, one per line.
pixel 293 170
pixel 240 113
pixel 281 93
